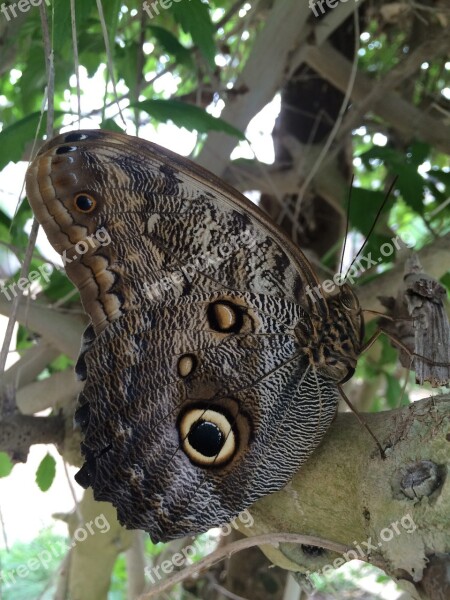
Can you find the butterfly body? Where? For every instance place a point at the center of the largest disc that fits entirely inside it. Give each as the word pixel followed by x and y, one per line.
pixel 210 374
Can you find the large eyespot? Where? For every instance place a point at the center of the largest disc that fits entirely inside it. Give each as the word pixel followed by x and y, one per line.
pixel 84 203
pixel 207 437
pixel 226 317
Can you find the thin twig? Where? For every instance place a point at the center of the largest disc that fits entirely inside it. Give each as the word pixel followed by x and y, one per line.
pixel 35 226
pixel 229 549
pixel 219 588
pixel 72 491
pixel 333 132
pixel 50 71
pixel 109 56
pixel 5 538
pixel 75 57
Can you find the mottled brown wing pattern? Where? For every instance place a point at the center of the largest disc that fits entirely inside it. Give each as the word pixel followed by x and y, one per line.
pixel 210 375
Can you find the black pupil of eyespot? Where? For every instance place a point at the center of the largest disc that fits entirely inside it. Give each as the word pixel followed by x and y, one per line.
pixel 84 203
pixel 206 438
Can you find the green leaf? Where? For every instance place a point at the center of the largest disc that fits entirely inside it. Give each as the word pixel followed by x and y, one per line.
pixel 5 236
pixel 62 32
pixel 442 176
pixel 364 204
pixel 33 79
pixel 111 10
pixel 13 139
pixel 418 153
pixel 126 64
pixel 410 183
pixel 6 465
pixel 170 44
pixel 186 115
pixel 383 153
pixel 389 354
pixel 394 396
pixel 411 186
pixel 59 286
pixel 445 280
pixel 46 472
pixel 194 18
pixel 23 338
pixel 111 125
pixel 23 214
pixel 61 363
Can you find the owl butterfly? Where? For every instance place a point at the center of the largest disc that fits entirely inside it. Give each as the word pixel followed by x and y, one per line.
pixel 210 374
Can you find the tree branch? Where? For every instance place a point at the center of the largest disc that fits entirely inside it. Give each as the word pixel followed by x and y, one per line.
pixel 93 556
pixel 32 362
pixel 59 328
pixel 262 75
pixel 403 116
pixel 56 391
pixel 347 493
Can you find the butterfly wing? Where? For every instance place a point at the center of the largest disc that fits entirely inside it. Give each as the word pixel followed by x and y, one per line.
pixel 199 397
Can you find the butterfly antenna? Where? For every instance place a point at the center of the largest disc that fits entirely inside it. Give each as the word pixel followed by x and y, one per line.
pixel 362 421
pixel 349 200
pixel 383 204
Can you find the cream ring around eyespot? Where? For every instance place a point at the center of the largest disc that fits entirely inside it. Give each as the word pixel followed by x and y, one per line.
pixel 218 419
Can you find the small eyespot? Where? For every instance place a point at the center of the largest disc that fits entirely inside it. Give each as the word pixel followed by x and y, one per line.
pixel 186 364
pixel 75 136
pixel 65 149
pixel 207 437
pixel 84 203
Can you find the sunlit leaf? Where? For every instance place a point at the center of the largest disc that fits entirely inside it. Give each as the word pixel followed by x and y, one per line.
pixel 46 472
pixel 13 139
pixel 194 18
pixel 6 465
pixel 186 115
pixel 170 44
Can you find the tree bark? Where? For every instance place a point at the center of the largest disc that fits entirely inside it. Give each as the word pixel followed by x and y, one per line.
pixel 392 512
pixel 92 559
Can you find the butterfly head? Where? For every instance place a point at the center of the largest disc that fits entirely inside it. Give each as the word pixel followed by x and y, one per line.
pixel 333 343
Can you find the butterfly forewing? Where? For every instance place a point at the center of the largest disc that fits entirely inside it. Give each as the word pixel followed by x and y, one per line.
pixel 175 228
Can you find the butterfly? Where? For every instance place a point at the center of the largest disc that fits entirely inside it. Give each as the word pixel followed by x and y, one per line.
pixel 210 369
